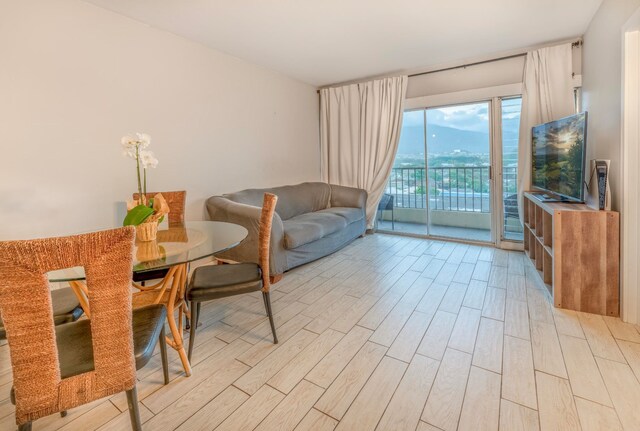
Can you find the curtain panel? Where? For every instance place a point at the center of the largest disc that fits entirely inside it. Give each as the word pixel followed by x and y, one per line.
pixel 547 95
pixel 359 133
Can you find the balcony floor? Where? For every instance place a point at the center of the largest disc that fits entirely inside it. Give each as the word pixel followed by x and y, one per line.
pixel 469 234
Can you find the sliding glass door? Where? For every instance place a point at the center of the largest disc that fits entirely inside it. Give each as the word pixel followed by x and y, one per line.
pixel 510 127
pixel 442 183
pixel 458 165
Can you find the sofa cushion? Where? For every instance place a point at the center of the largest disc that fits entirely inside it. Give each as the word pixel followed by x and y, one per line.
pixel 306 228
pixel 292 200
pixel 349 214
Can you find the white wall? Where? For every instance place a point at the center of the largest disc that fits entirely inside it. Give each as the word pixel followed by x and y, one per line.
pixel 492 74
pixel 602 86
pixel 74 78
pixel 480 76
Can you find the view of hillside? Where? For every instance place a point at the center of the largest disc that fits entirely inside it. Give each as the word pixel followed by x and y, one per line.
pixel 456 136
pixel 458 156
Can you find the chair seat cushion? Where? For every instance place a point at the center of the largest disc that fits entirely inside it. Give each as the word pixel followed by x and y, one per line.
pixel 218 281
pixel 150 275
pixel 66 308
pixel 75 348
pixel 350 214
pixel 310 227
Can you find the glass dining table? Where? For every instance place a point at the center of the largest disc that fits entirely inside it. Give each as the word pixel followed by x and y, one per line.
pixel 168 256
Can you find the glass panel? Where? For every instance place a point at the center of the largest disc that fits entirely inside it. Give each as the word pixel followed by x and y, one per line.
pixel 402 207
pixel 458 160
pixel 175 245
pixel 512 228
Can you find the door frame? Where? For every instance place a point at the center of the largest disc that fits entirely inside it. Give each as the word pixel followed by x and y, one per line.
pixel 498 196
pixel 493 96
pixel 630 155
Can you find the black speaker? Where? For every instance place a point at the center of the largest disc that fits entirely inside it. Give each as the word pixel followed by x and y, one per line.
pixel 601 175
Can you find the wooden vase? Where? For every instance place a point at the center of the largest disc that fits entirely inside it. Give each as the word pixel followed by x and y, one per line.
pixel 149 251
pixel 147 231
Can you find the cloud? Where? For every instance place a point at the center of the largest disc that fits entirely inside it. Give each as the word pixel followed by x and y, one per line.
pixel 473 117
pixel 470 117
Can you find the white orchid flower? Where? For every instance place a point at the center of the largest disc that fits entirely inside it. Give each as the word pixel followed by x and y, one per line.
pixel 128 141
pixel 147 159
pixel 134 147
pixel 144 140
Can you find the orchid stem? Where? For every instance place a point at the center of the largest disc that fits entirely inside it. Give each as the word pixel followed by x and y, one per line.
pixel 144 170
pixel 140 201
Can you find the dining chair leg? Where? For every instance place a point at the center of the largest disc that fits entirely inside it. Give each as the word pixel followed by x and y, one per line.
pixel 195 315
pixel 25 427
pixel 134 412
pixel 264 300
pixel 187 314
pixel 163 355
pixel 180 320
pixel 267 304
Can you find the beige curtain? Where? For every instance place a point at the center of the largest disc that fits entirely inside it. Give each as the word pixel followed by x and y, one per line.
pixel 547 95
pixel 359 132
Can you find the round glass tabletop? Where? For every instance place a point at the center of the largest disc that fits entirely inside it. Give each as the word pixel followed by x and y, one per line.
pixel 175 245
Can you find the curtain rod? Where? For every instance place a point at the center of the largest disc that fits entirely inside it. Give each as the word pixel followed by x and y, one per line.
pixel 462 66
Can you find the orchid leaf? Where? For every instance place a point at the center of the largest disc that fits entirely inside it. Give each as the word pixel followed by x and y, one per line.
pixel 137 215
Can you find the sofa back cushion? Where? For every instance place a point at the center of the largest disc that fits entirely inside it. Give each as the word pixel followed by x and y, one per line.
pixel 292 200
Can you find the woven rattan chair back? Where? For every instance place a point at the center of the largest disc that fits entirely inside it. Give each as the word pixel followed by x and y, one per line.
pixel 25 304
pixel 176 202
pixel 264 236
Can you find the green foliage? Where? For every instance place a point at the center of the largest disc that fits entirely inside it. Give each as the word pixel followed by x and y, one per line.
pixel 562 174
pixel 137 215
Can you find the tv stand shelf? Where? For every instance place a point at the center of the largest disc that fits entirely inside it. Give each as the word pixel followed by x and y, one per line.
pixel 576 251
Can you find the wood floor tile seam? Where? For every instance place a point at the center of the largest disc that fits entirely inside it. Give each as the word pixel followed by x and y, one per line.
pixel 394 391
pixel 495 320
pixel 586 399
pixel 607 387
pixel 602 357
pixel 240 389
pixel 112 403
pixel 466 384
pixel 204 406
pixel 363 385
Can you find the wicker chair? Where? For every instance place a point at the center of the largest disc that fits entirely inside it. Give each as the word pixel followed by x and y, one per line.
pixel 66 308
pixel 219 281
pixel 56 368
pixel 176 202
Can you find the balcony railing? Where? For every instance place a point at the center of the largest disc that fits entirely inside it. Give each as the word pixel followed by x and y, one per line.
pixel 449 188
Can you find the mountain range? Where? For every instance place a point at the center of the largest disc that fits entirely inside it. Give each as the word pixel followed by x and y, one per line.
pixel 446 140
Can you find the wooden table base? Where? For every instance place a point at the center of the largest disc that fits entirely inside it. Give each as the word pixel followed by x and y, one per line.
pixel 169 291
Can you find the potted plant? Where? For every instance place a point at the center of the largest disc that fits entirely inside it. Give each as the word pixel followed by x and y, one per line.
pixel 143 213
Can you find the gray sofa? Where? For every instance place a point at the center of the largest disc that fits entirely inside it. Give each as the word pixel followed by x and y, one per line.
pixel 312 220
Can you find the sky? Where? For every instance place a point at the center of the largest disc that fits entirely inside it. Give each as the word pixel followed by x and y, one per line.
pixel 472 117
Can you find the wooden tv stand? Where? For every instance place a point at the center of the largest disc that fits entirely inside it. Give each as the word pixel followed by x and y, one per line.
pixel 576 251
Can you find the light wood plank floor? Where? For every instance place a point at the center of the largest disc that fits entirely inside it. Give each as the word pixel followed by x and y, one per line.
pixel 390 333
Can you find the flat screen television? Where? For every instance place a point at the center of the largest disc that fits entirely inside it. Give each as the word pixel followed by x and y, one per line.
pixel 559 157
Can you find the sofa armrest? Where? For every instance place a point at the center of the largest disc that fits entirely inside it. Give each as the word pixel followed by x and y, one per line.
pixel 248 216
pixel 342 196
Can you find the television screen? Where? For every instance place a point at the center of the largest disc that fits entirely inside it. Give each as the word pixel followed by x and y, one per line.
pixel 558 156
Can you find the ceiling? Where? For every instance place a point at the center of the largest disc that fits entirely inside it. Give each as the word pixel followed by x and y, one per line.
pixel 329 41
